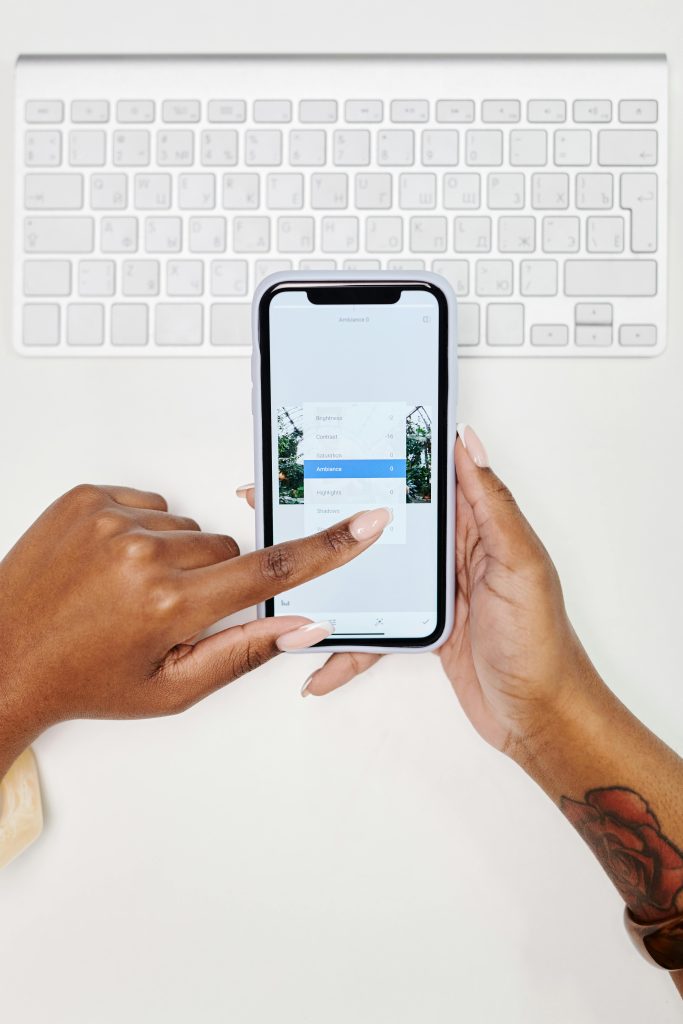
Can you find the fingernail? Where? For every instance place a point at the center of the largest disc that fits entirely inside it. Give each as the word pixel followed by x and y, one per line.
pixel 473 446
pixel 305 692
pixel 304 636
pixel 242 490
pixel 370 524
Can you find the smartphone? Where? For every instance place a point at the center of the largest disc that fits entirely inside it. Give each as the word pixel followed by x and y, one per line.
pixel 354 399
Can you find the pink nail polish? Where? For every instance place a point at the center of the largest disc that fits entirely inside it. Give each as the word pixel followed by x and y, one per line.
pixel 473 446
pixel 242 489
pixel 369 525
pixel 304 636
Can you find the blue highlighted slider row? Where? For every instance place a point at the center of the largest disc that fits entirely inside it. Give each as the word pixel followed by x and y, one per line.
pixel 338 469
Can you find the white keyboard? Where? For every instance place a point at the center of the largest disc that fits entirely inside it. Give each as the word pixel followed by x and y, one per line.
pixel 153 194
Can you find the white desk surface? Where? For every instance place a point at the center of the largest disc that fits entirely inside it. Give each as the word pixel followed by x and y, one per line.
pixel 364 858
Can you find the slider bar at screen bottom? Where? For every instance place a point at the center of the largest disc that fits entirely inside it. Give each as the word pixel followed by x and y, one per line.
pixel 365 623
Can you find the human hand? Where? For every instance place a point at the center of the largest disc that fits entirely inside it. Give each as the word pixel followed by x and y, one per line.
pixel 100 601
pixel 513 656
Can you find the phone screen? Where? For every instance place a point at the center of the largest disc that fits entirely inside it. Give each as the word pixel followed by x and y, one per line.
pixel 354 385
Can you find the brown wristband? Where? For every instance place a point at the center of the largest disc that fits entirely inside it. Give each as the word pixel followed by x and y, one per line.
pixel 660 942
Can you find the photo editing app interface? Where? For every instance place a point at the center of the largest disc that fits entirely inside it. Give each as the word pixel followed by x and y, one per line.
pixel 354 395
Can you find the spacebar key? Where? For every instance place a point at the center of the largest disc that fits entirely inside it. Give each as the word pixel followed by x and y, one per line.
pixel 610 277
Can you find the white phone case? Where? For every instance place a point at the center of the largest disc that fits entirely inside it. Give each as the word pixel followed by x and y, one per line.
pixel 297 278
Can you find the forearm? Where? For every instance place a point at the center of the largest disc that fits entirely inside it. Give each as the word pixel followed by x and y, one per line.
pixel 622 789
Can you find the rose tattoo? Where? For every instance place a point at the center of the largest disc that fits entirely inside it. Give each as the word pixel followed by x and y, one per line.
pixel 624 834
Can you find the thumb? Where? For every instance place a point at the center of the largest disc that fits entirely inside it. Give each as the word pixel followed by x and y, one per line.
pixel 191 673
pixel 505 533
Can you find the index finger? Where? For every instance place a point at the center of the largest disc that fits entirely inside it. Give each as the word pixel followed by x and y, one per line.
pixel 219 590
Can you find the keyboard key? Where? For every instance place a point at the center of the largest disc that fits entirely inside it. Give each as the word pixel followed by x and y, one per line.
pixel 639 195
pixel 517 234
pixel 505 323
pixel 53 191
pixel 263 148
pixel 295 234
pixel 546 111
pixel 593 313
pixel 493 277
pixel 87 148
pixel 550 191
pixel 251 234
pixel 44 111
pixel 472 234
pixel 331 191
pixel 47 277
pixel 468 323
pixel 119 234
pixel 196 191
pixel 152 191
pixel 610 277
pixel 135 111
pixel 594 191
pixel 462 191
pixel 140 277
pixel 440 148
pixel 219 148
pixel 180 110
pixel 175 148
pixel 455 111
pixel 362 265
pixel 285 191
pixel 96 277
pixel 396 147
pixel 263 268
pixel 90 111
pixel 592 110
pixel 405 265
pixel 638 112
pixel 363 110
pixel 505 191
pixel 59 234
pixel 384 234
pixel 409 110
pixel 538 277
pixel 528 147
pixel 456 272
pixel 318 111
pixel 178 323
pixel 43 149
pixel 317 264
pixel 163 234
pixel 227 111
pixel 605 234
pixel 272 111
pixel 638 334
pixel 240 191
pixel 561 234
pixel 500 111
pixel 185 278
pixel 417 191
pixel 339 234
pixel 593 336
pixel 550 334
pixel 373 191
pixel 307 148
pixel 351 147
pixel 428 234
pixel 131 148
pixel 85 324
pixel 129 324
pixel 229 277
pixel 627 148
pixel 40 325
pixel 108 191
pixel 572 148
pixel 207 234
pixel 231 324
pixel 484 148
